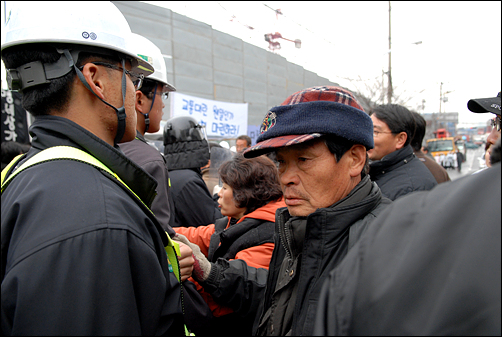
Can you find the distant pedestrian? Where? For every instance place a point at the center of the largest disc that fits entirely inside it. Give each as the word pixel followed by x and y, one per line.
pixel 243 142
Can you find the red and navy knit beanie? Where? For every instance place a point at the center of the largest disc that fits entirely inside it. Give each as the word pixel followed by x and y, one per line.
pixel 311 113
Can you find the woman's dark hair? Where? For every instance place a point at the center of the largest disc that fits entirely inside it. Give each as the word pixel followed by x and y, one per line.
pixel 338 146
pixel 254 181
pixel 398 119
pixel 41 99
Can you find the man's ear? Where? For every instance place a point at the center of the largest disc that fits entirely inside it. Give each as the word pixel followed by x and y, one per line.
pixel 139 100
pixel 401 140
pixel 357 156
pixel 95 77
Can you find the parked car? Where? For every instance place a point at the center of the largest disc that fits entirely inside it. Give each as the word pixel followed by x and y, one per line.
pixel 471 145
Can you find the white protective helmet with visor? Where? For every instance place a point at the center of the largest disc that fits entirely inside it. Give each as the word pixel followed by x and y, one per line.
pixel 71 30
pixel 148 51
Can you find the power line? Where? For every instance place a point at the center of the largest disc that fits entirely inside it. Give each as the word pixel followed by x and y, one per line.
pixel 300 25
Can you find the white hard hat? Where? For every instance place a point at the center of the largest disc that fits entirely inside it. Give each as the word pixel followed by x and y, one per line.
pixel 148 51
pixel 83 23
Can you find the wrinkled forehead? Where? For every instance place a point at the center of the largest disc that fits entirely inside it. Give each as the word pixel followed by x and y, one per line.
pixel 317 144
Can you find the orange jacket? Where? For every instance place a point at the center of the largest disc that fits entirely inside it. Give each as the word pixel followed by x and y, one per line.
pixel 257 256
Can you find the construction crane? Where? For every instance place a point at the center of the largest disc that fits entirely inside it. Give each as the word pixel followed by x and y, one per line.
pixel 274 45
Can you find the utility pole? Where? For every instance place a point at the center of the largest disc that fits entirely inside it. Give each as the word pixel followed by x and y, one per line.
pixel 389 88
pixel 440 96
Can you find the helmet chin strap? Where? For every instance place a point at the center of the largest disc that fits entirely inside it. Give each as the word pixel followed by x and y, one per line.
pixel 147 118
pixel 121 114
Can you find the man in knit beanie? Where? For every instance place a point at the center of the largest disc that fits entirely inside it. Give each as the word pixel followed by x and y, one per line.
pixel 319 137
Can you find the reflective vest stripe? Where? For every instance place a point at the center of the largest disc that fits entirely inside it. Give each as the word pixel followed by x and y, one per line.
pixel 72 153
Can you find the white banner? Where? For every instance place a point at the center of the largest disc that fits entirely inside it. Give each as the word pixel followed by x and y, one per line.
pixel 222 119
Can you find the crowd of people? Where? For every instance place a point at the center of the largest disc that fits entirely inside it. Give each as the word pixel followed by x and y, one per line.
pixel 333 223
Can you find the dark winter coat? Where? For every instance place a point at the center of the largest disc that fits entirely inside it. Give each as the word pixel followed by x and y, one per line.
pixel 295 278
pixel 80 254
pixel 329 234
pixel 193 204
pixel 250 239
pixel 429 265
pixel 400 173
pixel 153 162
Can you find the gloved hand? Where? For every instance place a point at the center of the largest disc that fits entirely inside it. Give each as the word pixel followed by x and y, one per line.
pixel 186 261
pixel 201 266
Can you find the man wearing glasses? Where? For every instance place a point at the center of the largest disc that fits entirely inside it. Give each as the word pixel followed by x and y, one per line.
pixel 483 105
pixel 149 102
pixel 81 252
pixel 393 166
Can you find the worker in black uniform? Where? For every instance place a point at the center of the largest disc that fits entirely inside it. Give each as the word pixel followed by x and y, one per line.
pixel 186 150
pixel 82 253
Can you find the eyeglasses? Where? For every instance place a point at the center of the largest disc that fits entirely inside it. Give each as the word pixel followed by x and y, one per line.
pixel 376 133
pixel 136 79
pixel 163 95
pixel 495 123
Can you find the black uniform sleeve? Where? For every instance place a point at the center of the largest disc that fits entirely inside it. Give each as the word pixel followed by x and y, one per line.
pixel 237 285
pixel 195 206
pixel 103 281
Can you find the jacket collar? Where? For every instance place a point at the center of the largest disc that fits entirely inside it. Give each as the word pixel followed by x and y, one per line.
pixel 392 160
pixel 328 223
pixel 48 131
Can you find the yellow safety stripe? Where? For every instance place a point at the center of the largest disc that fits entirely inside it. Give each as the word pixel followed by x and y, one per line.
pixel 67 152
pixel 7 168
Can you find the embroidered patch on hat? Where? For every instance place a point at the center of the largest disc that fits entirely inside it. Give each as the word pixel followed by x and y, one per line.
pixel 268 122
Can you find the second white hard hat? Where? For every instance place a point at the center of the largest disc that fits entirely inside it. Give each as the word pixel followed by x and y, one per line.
pixel 147 50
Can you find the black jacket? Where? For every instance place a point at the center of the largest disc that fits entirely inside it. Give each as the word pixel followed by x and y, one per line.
pixel 225 244
pixel 400 173
pixel 197 313
pixel 193 204
pixel 153 162
pixel 428 265
pixel 329 233
pixel 80 254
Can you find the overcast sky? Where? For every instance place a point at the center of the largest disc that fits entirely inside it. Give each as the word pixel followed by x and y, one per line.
pixel 347 42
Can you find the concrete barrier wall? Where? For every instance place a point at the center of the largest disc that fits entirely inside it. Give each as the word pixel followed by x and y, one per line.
pixel 205 62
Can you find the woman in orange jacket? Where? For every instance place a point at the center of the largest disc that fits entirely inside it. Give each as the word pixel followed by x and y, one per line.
pixel 249 198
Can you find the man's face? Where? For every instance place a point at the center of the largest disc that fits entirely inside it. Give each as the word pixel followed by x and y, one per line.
pixel 311 178
pixel 385 141
pixel 491 140
pixel 156 113
pixel 116 77
pixel 241 145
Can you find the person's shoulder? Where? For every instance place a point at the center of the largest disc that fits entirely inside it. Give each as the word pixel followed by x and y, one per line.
pixel 140 152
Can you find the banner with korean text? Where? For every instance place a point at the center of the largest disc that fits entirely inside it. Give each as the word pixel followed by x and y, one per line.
pixel 14 118
pixel 222 119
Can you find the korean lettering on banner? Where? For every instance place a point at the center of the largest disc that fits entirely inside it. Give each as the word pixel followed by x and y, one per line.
pixel 14 121
pixel 221 119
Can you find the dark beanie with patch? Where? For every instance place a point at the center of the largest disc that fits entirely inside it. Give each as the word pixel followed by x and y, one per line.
pixel 312 113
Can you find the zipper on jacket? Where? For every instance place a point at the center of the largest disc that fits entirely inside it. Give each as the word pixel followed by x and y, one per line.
pixel 285 236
